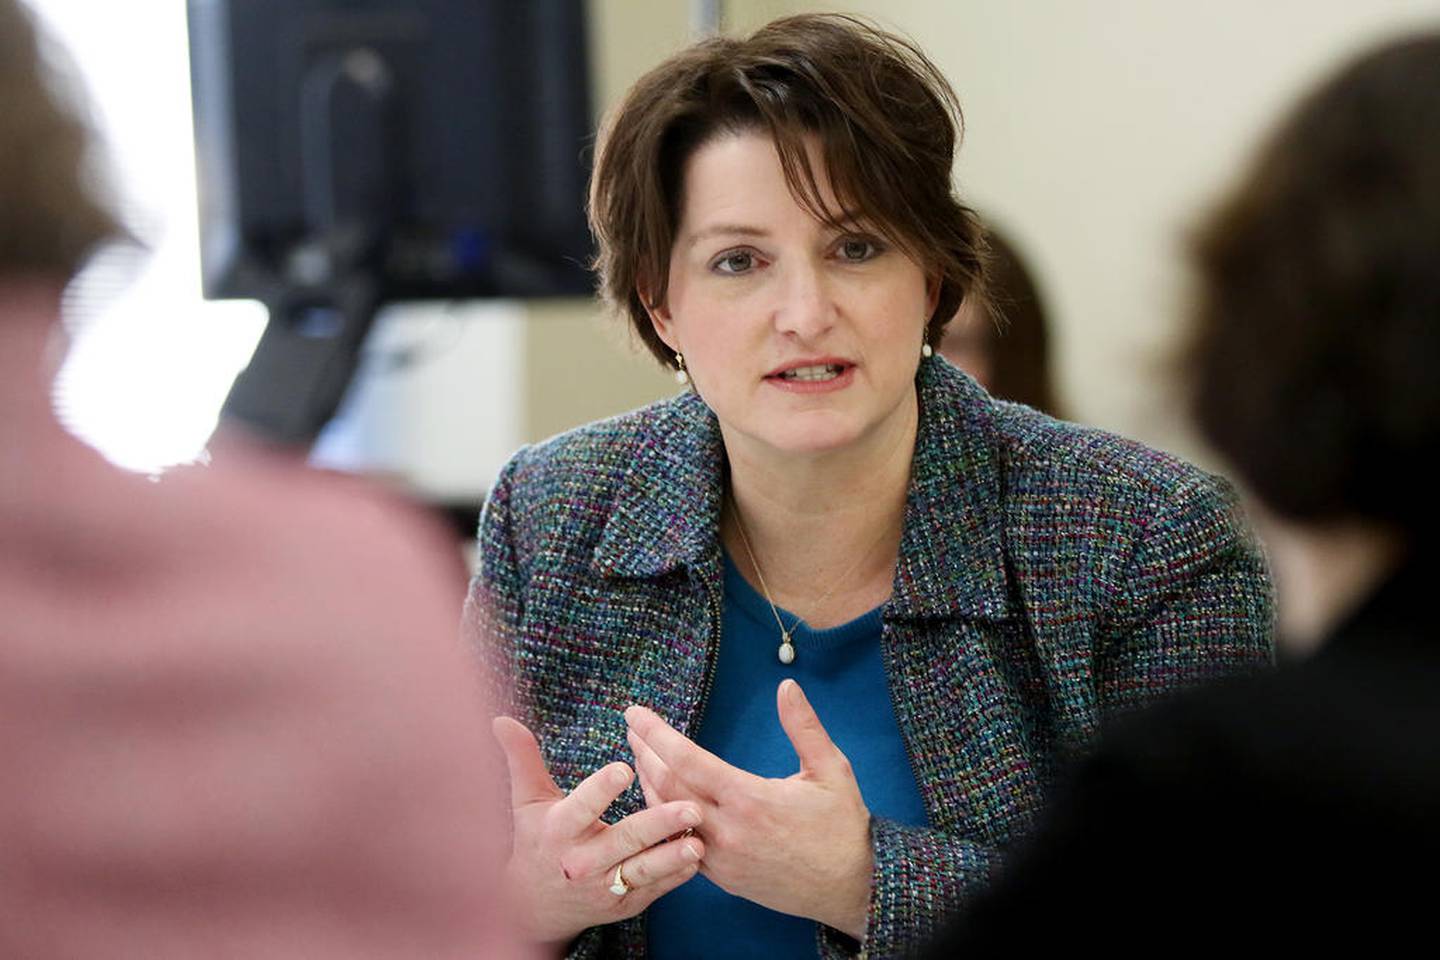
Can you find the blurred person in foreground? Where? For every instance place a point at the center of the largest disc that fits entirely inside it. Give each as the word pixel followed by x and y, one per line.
pixel 235 719
pixel 842 611
pixel 1003 339
pixel 1299 808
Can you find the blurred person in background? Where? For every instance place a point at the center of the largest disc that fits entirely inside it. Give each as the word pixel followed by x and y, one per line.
pixel 1297 809
pixel 1003 339
pixel 964 589
pixel 235 720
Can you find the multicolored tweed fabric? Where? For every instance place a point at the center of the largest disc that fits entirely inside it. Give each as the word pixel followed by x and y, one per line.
pixel 1049 577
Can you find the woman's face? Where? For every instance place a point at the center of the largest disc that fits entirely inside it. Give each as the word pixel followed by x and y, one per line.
pixel 801 338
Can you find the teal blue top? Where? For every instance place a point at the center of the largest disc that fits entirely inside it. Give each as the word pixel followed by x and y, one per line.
pixel 841 673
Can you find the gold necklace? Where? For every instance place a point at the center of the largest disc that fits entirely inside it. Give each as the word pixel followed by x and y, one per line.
pixel 786 653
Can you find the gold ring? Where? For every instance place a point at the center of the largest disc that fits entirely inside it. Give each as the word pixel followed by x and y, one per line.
pixel 619 886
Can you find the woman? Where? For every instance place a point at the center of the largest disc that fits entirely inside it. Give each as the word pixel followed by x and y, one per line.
pixel 1314 355
pixel 964 589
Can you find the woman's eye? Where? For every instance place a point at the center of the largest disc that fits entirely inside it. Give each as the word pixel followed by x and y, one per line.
pixel 857 250
pixel 739 261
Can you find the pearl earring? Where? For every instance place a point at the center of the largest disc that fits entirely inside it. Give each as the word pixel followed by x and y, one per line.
pixel 926 350
pixel 680 375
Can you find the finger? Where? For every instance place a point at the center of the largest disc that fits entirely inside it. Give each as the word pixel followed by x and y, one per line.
pixel 647 786
pixel 587 803
pixel 661 863
pixel 696 767
pixel 641 896
pixel 813 746
pixel 632 835
pixel 530 781
pixel 652 770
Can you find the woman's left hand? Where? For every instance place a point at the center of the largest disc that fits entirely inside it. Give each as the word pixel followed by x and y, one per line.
pixel 800 845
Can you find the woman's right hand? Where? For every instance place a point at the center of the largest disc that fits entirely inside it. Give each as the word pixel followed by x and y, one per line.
pixel 564 857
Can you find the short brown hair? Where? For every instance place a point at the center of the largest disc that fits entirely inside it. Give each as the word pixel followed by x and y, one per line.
pixel 1317 327
pixel 887 121
pixel 50 219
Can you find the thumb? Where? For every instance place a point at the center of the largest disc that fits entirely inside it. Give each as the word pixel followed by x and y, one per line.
pixel 817 752
pixel 530 781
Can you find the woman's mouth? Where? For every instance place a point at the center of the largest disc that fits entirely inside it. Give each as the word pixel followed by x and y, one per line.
pixel 819 372
pixel 812 377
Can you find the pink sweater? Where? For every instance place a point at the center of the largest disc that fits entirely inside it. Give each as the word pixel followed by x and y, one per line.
pixel 235 716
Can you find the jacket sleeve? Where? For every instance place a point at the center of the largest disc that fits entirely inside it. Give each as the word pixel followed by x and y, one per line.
pixel 494 610
pixel 920 876
pixel 1194 603
pixel 495 604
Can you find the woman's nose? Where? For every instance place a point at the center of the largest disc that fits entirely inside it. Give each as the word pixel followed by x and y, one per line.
pixel 806 308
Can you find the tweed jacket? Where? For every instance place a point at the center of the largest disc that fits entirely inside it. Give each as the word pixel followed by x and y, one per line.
pixel 1049 576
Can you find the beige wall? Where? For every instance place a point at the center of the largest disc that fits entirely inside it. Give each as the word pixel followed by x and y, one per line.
pixel 1096 130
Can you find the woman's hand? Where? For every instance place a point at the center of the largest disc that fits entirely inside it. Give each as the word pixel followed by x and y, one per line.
pixel 565 857
pixel 800 845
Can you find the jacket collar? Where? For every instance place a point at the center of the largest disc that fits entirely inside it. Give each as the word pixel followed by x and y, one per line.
pixel 952 556
pixel 667 512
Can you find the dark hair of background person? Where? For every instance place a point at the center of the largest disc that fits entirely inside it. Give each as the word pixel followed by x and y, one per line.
pixel 1317 326
pixel 1009 328
pixel 886 120
pixel 50 218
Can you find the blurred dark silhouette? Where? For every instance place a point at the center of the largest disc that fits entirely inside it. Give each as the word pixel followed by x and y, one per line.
pixel 1298 808
pixel 1002 338
pixel 235 716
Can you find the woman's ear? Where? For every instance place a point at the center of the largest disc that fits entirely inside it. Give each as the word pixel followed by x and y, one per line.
pixel 660 317
pixel 932 294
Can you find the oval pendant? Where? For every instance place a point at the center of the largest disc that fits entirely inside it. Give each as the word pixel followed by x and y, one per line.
pixel 787 651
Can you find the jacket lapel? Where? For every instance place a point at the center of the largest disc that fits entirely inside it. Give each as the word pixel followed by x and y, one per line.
pixel 667 512
pixel 660 553
pixel 952 559
pixel 960 665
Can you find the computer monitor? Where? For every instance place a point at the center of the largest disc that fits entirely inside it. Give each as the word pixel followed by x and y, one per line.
pixel 356 152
